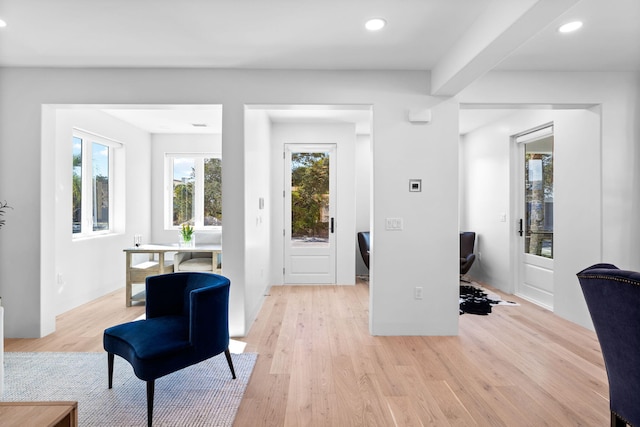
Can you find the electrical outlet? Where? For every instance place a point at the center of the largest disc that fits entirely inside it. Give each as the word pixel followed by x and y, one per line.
pixel 417 293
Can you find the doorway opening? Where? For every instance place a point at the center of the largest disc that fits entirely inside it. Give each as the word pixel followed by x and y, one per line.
pixel 561 223
pixel 277 133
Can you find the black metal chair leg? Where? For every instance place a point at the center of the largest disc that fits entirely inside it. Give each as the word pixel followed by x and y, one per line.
pixel 150 391
pixel 110 357
pixel 227 354
pixel 616 421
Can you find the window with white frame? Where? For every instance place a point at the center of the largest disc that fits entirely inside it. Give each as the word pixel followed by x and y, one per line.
pixel 92 184
pixel 194 193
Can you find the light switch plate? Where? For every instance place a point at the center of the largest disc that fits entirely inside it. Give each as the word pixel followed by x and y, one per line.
pixel 393 224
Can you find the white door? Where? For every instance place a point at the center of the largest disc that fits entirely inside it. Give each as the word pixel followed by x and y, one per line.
pixel 535 216
pixel 309 213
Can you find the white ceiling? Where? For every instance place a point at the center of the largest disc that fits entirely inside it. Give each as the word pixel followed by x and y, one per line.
pixel 608 41
pixel 290 34
pixel 173 119
pixel 328 34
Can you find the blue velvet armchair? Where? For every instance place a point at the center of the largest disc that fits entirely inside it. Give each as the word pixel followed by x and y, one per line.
pixel 186 323
pixel 613 299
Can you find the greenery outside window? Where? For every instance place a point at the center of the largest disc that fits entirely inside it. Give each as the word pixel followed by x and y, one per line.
pixel 92 184
pixel 194 195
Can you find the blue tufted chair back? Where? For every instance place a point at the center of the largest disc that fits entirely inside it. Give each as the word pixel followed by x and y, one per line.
pixel 613 299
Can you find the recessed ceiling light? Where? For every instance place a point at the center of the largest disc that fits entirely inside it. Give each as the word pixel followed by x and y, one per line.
pixel 2 23
pixel 375 24
pixel 570 27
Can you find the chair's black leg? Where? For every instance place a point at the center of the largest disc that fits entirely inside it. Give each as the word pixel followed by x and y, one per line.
pixel 110 357
pixel 616 421
pixel 150 390
pixel 227 353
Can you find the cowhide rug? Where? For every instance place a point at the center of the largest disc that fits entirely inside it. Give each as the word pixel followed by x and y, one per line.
pixel 474 300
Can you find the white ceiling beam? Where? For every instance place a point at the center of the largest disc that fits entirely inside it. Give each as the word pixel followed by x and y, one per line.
pixel 502 28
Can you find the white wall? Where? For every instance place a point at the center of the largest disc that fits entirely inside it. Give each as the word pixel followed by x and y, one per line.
pixel 258 229
pixel 420 255
pixel 85 269
pixel 344 136
pixel 594 170
pixel 363 161
pixel 485 190
pixel 425 253
pixel 23 270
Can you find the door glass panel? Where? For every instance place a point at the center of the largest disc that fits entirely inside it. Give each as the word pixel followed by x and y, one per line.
pixel 538 165
pixel 310 199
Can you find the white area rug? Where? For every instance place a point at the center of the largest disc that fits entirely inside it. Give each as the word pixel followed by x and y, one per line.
pixel 200 395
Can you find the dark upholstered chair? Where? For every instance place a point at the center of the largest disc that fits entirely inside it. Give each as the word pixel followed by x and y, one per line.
pixel 613 299
pixel 365 246
pixel 467 243
pixel 186 322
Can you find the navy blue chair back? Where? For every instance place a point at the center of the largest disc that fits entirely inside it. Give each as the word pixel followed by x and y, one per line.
pixel 613 299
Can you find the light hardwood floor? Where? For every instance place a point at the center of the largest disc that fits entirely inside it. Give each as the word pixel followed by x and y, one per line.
pixel 318 365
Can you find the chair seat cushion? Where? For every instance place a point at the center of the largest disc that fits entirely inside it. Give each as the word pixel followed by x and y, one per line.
pixel 196 264
pixel 140 338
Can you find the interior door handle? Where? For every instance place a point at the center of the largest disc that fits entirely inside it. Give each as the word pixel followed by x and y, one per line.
pixel 521 231
pixel 332 231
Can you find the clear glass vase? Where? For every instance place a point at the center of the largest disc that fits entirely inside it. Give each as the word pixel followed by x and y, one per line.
pixel 184 243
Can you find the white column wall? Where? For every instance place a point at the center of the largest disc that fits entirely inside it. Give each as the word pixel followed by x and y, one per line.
pixel 258 221
pixel 425 252
pixel 363 162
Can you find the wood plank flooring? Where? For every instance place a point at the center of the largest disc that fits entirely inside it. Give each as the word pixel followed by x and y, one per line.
pixel 81 329
pixel 318 365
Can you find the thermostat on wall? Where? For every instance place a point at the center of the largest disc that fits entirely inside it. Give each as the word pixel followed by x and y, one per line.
pixel 415 185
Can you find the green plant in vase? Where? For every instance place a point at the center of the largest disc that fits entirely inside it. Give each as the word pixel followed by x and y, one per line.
pixel 186 234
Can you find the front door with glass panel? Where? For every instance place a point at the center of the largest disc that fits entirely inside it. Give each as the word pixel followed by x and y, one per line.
pixel 535 227
pixel 309 214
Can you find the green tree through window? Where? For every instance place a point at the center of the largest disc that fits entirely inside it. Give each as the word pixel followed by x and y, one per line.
pixel 309 195
pixel 197 191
